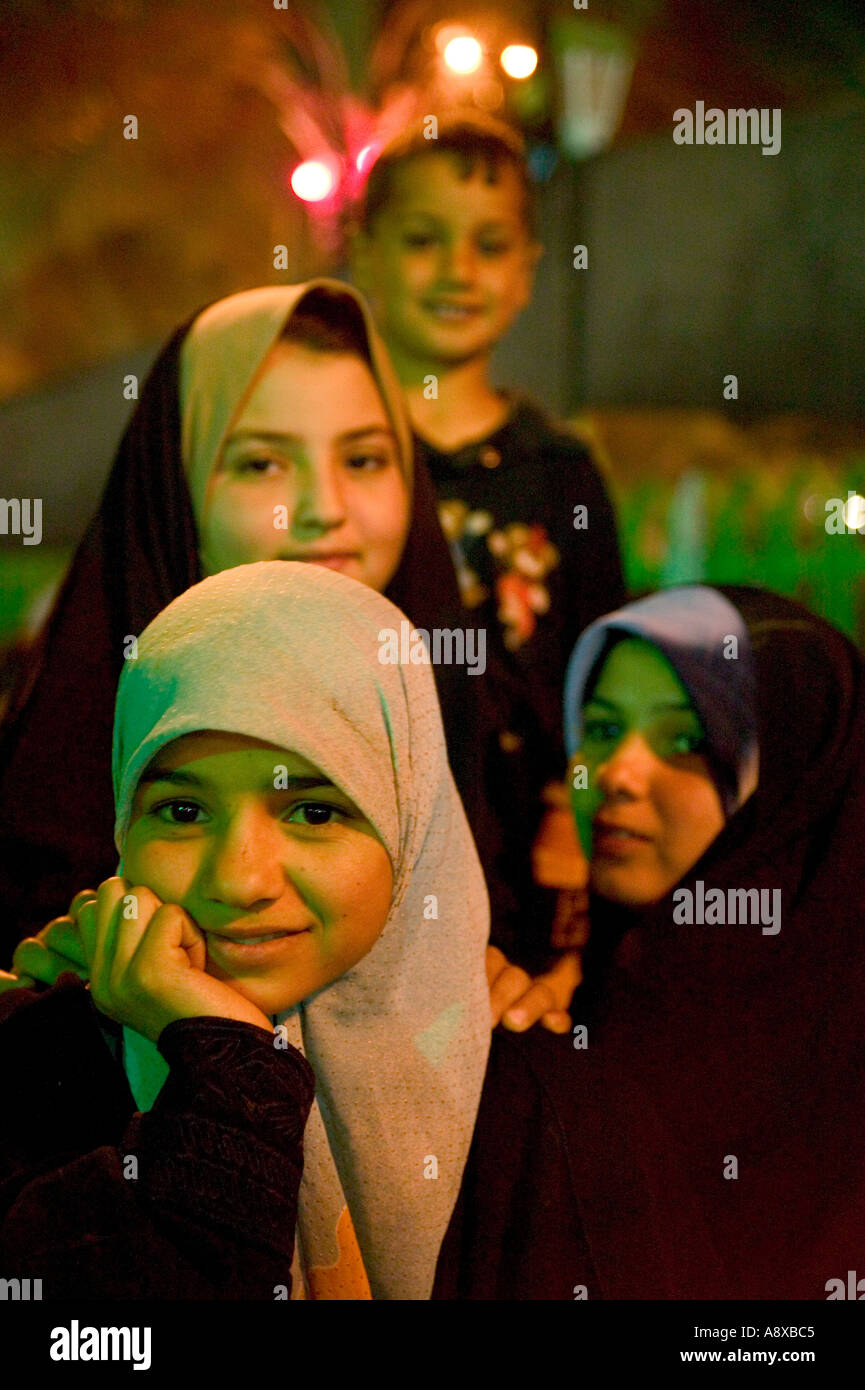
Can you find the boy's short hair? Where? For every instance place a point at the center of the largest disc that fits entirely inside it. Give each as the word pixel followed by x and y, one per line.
pixel 472 138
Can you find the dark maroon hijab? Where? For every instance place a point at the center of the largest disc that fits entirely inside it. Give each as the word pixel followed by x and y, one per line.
pixel 139 552
pixel 711 1043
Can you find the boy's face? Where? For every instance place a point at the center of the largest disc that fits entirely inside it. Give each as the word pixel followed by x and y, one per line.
pixel 290 884
pixel 310 471
pixel 448 262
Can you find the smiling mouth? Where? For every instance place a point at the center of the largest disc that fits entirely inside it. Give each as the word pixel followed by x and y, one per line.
pixel 617 834
pixel 256 938
pixel 453 313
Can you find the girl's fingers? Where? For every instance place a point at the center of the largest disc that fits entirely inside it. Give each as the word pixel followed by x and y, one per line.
pixel 510 985
pixel 32 959
pixel 172 935
pixel 125 927
pixel 86 895
pixel 557 1021
pixel 63 938
pixel 496 961
pixel 533 1004
pixel 8 981
pixel 96 921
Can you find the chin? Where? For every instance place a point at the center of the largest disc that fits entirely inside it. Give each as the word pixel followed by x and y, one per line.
pixel 271 996
pixel 625 890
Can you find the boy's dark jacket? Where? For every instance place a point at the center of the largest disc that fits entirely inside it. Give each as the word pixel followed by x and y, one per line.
pixel 534 572
pixel 211 1213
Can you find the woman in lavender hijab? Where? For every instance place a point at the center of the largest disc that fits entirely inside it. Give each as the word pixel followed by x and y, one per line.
pixel 699 1136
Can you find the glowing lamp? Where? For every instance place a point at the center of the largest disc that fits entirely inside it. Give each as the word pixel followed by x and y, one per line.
pixel 854 512
pixel 519 60
pixel 463 54
pixel 313 180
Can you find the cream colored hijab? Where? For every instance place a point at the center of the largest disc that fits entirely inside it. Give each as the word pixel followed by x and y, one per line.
pixel 288 653
pixel 222 357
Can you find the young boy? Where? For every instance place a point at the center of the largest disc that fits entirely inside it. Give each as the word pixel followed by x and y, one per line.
pixel 445 250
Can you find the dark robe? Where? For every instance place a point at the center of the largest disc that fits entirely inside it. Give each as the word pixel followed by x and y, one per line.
pixel 707 1139
pixel 139 552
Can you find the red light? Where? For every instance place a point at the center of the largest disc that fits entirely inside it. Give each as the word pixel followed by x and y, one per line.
pixel 314 180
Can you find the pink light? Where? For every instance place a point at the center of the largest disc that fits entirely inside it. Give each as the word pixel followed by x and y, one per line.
pixel 313 180
pixel 366 157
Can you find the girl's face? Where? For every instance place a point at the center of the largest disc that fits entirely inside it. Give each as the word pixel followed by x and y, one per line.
pixel 651 808
pixel 283 874
pixel 309 471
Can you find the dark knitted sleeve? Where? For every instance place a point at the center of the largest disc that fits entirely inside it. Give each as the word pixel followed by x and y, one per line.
pixel 198 1201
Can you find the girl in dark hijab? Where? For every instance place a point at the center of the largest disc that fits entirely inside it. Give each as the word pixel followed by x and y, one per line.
pixel 175 507
pixel 699 1140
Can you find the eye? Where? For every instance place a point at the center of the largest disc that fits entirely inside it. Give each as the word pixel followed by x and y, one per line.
pixel 178 812
pixel 418 240
pixel 687 743
pixel 315 813
pixel 493 248
pixel 601 730
pixel 367 461
pixel 257 465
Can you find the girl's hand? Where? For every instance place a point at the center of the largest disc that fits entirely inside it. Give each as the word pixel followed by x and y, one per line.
pixel 55 948
pixel 146 961
pixel 557 859
pixel 518 1001
pixel 8 981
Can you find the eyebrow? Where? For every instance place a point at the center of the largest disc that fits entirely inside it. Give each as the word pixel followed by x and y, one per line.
pixel 188 779
pixel 664 705
pixel 493 224
pixel 281 437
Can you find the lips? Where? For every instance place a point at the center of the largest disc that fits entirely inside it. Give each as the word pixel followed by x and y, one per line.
pixel 259 934
pixel 608 827
pixel 254 950
pixel 334 560
pixel 612 839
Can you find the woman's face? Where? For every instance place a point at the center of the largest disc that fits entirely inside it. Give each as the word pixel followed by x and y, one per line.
pixel 283 874
pixel 309 471
pixel 651 807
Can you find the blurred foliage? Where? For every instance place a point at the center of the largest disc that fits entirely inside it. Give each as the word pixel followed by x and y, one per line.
pixel 762 492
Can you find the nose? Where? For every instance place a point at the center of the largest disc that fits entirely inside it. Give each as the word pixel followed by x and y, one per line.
pixel 246 869
pixel 458 262
pixel 320 505
pixel 627 772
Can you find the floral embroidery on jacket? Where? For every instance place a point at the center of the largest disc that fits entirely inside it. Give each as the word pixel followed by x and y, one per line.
pixel 522 557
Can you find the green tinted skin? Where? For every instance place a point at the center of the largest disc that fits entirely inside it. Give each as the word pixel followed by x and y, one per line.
pixel 211 831
pixel 651 807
